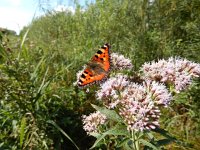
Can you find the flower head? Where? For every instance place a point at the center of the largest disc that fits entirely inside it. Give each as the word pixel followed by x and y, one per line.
pixel 91 122
pixel 174 71
pixel 110 89
pixel 158 92
pixel 139 105
pixel 120 62
pixel 138 110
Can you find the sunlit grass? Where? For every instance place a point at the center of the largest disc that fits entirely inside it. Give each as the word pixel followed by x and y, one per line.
pixel 38 68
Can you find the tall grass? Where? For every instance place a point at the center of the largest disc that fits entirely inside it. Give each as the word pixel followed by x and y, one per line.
pixel 37 77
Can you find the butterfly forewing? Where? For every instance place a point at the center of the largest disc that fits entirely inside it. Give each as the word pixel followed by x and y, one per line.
pixel 98 68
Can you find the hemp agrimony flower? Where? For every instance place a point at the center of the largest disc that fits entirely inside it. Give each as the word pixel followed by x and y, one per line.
pixel 139 115
pixel 136 101
pixel 120 62
pixel 109 90
pixel 174 71
pixel 140 104
pixel 91 122
pixel 158 92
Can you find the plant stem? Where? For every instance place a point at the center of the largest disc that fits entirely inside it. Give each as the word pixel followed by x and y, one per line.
pixel 135 140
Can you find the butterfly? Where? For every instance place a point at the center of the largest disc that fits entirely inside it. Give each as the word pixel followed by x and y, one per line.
pixel 97 69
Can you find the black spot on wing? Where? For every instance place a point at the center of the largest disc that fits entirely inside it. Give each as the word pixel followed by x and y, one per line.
pixel 99 52
pixel 80 81
pixel 83 76
pixel 103 47
pixel 107 45
pixel 85 72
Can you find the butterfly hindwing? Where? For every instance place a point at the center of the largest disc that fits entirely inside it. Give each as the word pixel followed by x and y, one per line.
pixel 103 57
pixel 97 69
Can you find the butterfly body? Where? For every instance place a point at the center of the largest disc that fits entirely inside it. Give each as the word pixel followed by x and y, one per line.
pixel 97 69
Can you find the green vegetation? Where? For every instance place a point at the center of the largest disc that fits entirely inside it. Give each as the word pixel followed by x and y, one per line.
pixel 6 31
pixel 40 108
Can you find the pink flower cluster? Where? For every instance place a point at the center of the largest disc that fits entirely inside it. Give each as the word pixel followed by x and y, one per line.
pixel 174 71
pixel 158 92
pixel 92 121
pixel 110 89
pixel 139 114
pixel 139 104
pixel 120 62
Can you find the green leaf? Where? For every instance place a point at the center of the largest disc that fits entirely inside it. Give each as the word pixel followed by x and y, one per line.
pixel 22 129
pixel 110 114
pixel 127 147
pixel 117 130
pixel 163 142
pixel 150 135
pixel 43 84
pixel 97 135
pixel 63 132
pixel 171 138
pixel 1 144
pixel 24 38
pixel 164 133
pixel 22 44
pixel 34 74
pixel 148 144
pixel 124 142
pixel 3 52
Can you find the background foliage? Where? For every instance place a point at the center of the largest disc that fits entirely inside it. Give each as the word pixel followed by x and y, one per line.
pixel 39 66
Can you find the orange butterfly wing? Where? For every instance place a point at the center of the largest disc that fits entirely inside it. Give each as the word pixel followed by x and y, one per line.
pixel 98 68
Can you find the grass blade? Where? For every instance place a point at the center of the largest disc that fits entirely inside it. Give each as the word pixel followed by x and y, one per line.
pixel 63 132
pixel 22 131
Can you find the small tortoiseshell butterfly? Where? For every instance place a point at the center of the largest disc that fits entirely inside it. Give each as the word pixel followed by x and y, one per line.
pixel 98 68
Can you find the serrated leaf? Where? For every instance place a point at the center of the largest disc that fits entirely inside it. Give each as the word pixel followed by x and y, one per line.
pixel 111 114
pixel 117 130
pixel 96 135
pixel 127 147
pixel 164 142
pixel 148 144
pixel 164 133
pixel 171 138
pixel 124 142
pixel 150 135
